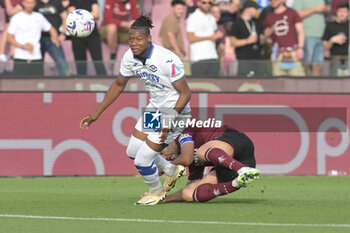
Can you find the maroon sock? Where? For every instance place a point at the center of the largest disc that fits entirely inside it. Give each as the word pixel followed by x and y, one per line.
pixel 206 192
pixel 220 158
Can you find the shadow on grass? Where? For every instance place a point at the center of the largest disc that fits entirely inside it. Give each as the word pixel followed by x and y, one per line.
pixel 224 201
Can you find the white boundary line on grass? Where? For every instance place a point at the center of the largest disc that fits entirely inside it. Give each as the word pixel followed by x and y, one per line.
pixel 175 221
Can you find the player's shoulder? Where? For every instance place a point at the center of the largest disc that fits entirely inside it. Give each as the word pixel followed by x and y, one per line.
pixel 164 55
pixel 38 16
pixel 194 17
pixel 291 11
pixel 169 19
pixel 17 16
pixel 211 17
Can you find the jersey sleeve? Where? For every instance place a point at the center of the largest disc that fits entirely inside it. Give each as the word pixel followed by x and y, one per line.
pixel 12 26
pixel 296 17
pixel 190 24
pixel 267 22
pixel 327 34
pixel 177 70
pixel 125 70
pixel 45 24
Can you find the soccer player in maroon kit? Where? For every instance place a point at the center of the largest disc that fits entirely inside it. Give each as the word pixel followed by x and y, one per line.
pixel 229 151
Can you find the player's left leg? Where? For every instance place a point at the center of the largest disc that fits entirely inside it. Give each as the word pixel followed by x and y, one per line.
pixel 206 189
pixel 220 153
pixel 135 142
pixel 186 193
pixel 227 182
pixel 144 163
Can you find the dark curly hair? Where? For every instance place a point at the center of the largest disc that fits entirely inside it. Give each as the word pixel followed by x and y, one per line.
pixel 144 22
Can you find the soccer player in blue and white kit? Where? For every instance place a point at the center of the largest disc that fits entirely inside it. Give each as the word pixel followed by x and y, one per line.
pixel 163 73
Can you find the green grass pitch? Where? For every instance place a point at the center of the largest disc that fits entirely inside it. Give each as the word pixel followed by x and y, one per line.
pixel 273 204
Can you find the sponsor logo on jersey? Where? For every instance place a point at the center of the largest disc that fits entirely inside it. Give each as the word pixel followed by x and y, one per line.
pixel 174 69
pixel 148 76
pixel 153 68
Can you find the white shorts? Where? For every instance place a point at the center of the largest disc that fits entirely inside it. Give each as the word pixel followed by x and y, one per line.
pixel 155 136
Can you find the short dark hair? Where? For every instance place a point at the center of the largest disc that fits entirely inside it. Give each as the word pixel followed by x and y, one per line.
pixel 178 2
pixel 144 22
pixel 343 5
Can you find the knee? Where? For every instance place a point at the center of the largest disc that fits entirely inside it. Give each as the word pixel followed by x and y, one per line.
pixel 112 29
pixel 187 195
pixel 133 146
pixel 131 152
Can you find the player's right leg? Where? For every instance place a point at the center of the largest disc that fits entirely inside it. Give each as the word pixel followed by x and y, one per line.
pixel 112 40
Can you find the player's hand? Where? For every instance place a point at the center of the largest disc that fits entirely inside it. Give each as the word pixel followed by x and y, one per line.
pixel 339 39
pixel 61 38
pixel 252 39
pixel 87 120
pixel 29 47
pixel 164 134
pixel 300 54
pixel 217 35
pixel 268 31
pixel 321 8
pixel 55 41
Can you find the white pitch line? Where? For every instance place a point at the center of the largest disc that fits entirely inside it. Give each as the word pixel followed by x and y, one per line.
pixel 175 221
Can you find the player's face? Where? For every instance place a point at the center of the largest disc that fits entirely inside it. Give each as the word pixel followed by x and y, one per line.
pixel 215 11
pixel 343 14
pixel 29 5
pixel 139 41
pixel 254 12
pixel 205 5
pixel 179 10
pixel 276 3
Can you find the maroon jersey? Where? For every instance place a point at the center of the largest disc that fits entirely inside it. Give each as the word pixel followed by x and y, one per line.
pixel 284 32
pixel 116 11
pixel 199 136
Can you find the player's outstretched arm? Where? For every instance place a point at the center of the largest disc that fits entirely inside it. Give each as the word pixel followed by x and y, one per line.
pixel 112 94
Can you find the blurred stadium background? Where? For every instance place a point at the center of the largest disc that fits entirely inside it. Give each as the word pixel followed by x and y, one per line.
pixel 300 126
pixel 40 116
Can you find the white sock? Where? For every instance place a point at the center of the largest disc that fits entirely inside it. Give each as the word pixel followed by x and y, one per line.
pixel 235 183
pixel 164 165
pixel 144 162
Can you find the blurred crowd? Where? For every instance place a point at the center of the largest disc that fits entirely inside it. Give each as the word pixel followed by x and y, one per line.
pixel 213 37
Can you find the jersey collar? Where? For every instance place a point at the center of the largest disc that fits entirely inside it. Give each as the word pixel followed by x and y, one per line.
pixel 148 54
